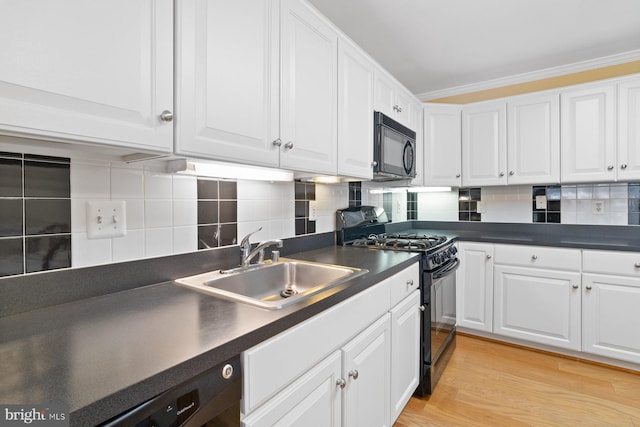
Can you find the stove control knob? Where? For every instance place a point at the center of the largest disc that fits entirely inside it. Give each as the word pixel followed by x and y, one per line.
pixel 454 250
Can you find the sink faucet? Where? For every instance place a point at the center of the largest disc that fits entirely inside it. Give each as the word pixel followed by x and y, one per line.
pixel 248 254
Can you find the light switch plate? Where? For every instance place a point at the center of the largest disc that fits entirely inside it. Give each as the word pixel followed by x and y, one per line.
pixel 313 210
pixel 106 218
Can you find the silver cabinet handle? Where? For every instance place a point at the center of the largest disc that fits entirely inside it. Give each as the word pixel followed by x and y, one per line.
pixel 410 282
pixel 511 173
pixel 166 116
pixel 488 256
pixel 575 286
pixel 457 175
pixel 422 308
pixel 501 173
pixel 610 167
pixel 227 371
pixel 340 382
pixel 277 142
pixel 354 374
pixel 637 265
pixel 623 166
pixel 374 164
pixel 588 287
pixel 289 145
pixel 534 257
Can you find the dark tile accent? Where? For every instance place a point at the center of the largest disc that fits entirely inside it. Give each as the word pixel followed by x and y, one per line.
pixel 311 226
pixel 539 191
pixel 48 159
pixel 300 191
pixel 47 252
pixel 301 208
pixel 10 178
pixel 208 236
pixel 412 206
pixel 11 257
pixel 539 216
pixel 47 216
pixel 228 190
pixel 311 191
pixel 10 217
pixel 207 189
pixel 554 192
pixel 553 217
pixel 207 212
pixel 43 179
pixel 553 205
pixel 634 191
pixel 228 234
pixel 387 204
pixel 228 211
pixel 11 155
pixel 355 194
pixel 634 218
pixel 468 199
pixel 634 205
pixel 300 226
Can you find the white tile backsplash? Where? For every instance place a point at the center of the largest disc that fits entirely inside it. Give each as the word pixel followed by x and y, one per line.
pixel 90 181
pixel 185 239
pixel 157 185
pixel 129 247
pixel 158 213
pixel 440 206
pixel 127 183
pixel 158 242
pixel 86 252
pixel 185 212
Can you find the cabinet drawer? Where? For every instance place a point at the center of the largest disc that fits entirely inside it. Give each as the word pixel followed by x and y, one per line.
pixel 538 256
pixel 273 364
pixel 611 262
pixel 404 282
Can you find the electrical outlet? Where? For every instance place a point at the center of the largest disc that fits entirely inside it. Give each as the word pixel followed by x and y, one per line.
pixel 313 210
pixel 106 218
pixel 541 202
pixel 598 207
pixel 398 207
pixel 480 208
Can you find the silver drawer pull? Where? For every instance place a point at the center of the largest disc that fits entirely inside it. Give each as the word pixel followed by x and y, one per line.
pixel 340 382
pixel 588 287
pixel 575 286
pixel 410 282
pixel 534 257
pixel 354 374
pixel 637 265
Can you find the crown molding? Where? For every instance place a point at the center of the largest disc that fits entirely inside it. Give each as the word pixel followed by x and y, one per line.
pixel 561 70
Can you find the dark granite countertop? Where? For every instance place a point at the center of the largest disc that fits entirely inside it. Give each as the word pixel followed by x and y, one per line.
pixel 615 238
pixel 102 355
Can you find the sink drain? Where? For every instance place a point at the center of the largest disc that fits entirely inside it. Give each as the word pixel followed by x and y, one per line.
pixel 287 292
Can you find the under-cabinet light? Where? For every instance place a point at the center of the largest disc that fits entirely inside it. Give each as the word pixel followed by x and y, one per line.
pixel 228 170
pixel 428 189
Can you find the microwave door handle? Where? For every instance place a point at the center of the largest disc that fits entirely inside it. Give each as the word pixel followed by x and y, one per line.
pixel 407 154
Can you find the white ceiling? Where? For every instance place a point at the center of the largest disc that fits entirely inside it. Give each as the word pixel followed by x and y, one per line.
pixel 431 45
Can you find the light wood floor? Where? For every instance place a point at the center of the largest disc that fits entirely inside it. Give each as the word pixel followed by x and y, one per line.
pixel 491 384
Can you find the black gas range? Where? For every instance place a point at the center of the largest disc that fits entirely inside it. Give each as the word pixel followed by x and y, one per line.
pixel 365 226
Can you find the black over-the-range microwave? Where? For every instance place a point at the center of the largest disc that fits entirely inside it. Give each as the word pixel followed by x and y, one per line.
pixel 394 149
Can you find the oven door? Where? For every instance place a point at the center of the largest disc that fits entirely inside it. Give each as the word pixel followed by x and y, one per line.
pixel 443 306
pixel 394 153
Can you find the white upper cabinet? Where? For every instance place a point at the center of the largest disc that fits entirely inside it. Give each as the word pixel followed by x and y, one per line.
pixel 97 72
pixel 629 129
pixel 308 95
pixel 227 76
pixel 533 140
pixel 442 145
pixel 355 112
pixel 484 144
pixel 393 100
pixel 588 133
pixel 418 124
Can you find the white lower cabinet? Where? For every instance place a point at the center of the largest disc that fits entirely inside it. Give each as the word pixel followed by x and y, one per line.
pixel 355 364
pixel 611 297
pixel 474 286
pixel 405 352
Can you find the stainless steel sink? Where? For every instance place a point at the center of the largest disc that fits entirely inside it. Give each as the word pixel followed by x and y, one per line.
pixel 272 285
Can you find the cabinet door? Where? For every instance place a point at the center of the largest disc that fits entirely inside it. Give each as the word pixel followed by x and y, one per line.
pixel 538 305
pixel 384 92
pixel 418 125
pixel 227 64
pixel 474 286
pixel 629 130
pixel 610 316
pixel 484 144
pixel 99 72
pixel 442 145
pixel 533 143
pixel 366 369
pixel 405 352
pixel 404 111
pixel 355 112
pixel 312 400
pixel 309 102
pixel 588 134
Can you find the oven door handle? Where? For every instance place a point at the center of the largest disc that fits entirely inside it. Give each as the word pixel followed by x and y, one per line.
pixel 450 269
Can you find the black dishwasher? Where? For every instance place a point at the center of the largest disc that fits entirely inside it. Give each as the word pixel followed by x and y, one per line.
pixel 209 399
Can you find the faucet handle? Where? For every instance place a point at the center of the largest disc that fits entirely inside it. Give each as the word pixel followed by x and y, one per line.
pixel 245 240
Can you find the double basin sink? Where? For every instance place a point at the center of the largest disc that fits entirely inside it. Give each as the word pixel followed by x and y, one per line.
pixel 272 285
